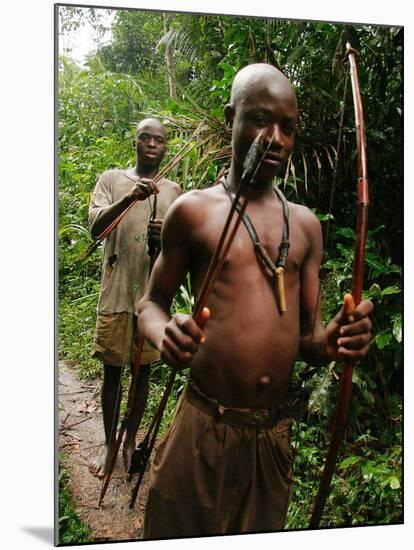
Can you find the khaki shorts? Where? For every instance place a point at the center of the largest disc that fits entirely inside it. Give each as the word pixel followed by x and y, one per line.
pixel 114 342
pixel 219 471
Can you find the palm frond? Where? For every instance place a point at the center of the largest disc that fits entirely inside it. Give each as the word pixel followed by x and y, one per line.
pixel 329 157
pixel 305 171
pixel 181 41
pixel 73 227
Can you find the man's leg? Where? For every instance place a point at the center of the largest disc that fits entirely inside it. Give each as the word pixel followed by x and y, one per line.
pixel 111 394
pixel 137 411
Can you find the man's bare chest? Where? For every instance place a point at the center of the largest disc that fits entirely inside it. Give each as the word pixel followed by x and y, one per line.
pixel 269 228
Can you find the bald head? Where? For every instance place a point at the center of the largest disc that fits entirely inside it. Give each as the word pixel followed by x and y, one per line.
pixel 151 145
pixel 153 123
pixel 262 101
pixel 255 78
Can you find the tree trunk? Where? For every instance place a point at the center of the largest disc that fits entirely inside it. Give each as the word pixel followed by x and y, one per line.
pixel 169 58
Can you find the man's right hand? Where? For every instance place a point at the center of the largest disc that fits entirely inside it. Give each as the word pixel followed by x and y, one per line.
pixel 182 338
pixel 144 187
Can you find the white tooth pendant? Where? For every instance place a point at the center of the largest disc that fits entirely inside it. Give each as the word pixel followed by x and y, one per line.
pixel 280 288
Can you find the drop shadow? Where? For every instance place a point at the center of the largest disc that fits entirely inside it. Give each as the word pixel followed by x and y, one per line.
pixel 45 534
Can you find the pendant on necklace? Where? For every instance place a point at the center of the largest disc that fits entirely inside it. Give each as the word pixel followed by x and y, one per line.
pixel 280 288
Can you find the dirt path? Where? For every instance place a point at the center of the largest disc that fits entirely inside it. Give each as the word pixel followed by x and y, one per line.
pixel 80 437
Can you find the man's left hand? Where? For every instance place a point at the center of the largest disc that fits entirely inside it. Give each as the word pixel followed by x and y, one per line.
pixel 349 333
pixel 154 232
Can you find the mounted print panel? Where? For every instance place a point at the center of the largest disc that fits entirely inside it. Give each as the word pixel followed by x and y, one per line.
pixel 223 182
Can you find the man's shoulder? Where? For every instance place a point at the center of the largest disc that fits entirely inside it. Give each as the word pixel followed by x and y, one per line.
pixel 305 218
pixel 302 212
pixel 193 204
pixel 169 184
pixel 114 172
pixel 166 181
pixel 113 175
pixel 200 197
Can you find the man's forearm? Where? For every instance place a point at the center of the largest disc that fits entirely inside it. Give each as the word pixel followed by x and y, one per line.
pixel 313 348
pixel 108 214
pixel 152 320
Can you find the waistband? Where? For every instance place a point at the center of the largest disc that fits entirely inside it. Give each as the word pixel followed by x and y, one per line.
pixel 240 418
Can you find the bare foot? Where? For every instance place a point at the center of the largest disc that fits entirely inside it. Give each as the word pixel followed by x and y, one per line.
pixel 97 466
pixel 127 453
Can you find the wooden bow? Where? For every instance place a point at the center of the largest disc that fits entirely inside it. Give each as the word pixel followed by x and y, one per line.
pixel 341 411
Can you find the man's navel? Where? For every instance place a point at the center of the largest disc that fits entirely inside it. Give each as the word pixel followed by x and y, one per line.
pixel 264 381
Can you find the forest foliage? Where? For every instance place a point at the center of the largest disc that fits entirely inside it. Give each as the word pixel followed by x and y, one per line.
pixel 179 67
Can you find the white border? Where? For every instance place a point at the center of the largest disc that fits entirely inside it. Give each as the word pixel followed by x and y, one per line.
pixel 27 251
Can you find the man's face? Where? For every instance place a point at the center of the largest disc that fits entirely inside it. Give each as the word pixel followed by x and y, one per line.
pixel 151 144
pixel 270 106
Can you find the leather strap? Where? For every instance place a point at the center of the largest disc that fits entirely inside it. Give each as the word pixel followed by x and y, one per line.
pixel 259 249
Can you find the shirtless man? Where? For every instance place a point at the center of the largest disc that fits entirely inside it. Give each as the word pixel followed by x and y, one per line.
pixel 125 276
pixel 225 465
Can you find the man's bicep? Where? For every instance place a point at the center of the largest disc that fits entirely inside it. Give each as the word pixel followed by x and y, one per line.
pixel 101 198
pixel 167 275
pixel 172 264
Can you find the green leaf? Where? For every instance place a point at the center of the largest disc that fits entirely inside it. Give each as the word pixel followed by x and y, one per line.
pixel 368 469
pixel 383 339
pixel 390 290
pixel 395 483
pixel 397 330
pixel 322 217
pixel 374 292
pixel 350 461
pixel 228 69
pixel 372 261
pixel 345 232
